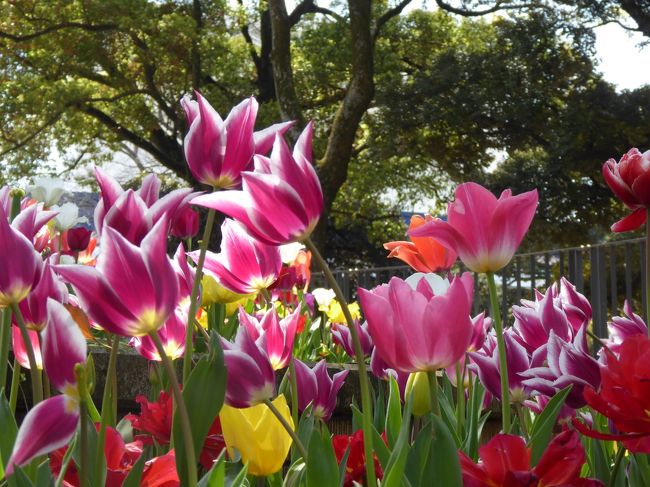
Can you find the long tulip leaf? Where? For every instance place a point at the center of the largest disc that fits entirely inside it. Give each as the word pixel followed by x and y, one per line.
pixel 542 429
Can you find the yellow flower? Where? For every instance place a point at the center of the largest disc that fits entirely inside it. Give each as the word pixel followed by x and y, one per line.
pixel 335 311
pixel 213 292
pixel 418 382
pixel 258 435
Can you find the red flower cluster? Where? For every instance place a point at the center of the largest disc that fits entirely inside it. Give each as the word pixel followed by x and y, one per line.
pixel 506 463
pixel 355 469
pixel 155 420
pixel 624 395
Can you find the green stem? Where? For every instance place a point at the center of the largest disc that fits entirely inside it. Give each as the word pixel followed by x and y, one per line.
pixel 182 410
pixel 5 339
pixel 433 392
pixel 15 381
pixel 523 420
pixel 106 405
pixel 617 465
pixel 460 394
pixel 65 462
pixel 647 269
pixel 194 302
pixel 287 426
pixel 366 403
pixel 80 374
pixel 501 345
pixel 37 385
pixel 294 391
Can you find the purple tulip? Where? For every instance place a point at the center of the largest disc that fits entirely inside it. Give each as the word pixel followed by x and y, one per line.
pixel 216 151
pixel 279 334
pixel 622 327
pixel 245 265
pixel 20 265
pixel 281 201
pixel 134 289
pixel 251 379
pixel 569 363
pixel 34 307
pixel 315 387
pixel 341 336
pixel 51 423
pixel 415 330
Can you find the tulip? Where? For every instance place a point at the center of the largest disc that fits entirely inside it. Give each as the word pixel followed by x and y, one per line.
pixel 134 289
pixel 621 327
pixel 315 387
pixel 171 335
pixel 484 231
pixel 217 151
pixel 186 223
pixel 355 467
pixel 250 374
pixel 281 201
pixel 323 297
pixel 34 307
pixel 624 395
pixel 67 216
pixel 341 336
pixel 629 180
pixel 51 423
pixel 78 238
pixel 20 350
pixel 335 312
pixel 31 223
pixel 244 265
pixel 506 462
pixel 278 334
pixel 258 435
pixel 161 472
pixel 47 190
pixel 382 370
pixel 20 264
pixel 424 254
pixel 418 386
pixel 416 330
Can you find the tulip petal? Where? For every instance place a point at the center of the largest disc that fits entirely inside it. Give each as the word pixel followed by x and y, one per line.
pixel 634 220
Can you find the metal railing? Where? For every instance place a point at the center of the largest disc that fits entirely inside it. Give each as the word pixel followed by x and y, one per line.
pixel 606 274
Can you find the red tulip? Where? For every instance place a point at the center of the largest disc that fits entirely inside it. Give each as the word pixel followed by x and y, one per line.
pixel 424 254
pixel 629 179
pixel 624 395
pixel 484 231
pixel 505 462
pixel 355 468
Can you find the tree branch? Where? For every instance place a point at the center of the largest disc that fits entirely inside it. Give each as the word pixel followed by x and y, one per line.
pixel 389 14
pixel 48 123
pixel 308 6
pixel 499 5
pixel 57 27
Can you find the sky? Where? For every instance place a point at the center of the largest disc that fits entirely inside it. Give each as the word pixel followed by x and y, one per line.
pixel 621 60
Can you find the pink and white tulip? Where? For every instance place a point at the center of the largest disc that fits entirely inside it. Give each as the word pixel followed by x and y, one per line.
pixel 171 335
pixel 20 350
pixel 133 289
pixel 245 265
pixel 51 423
pixel 315 387
pixel 34 307
pixel 483 230
pixel 414 329
pixel 281 201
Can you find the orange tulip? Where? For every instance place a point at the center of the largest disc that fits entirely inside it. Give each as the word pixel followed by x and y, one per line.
pixel 424 254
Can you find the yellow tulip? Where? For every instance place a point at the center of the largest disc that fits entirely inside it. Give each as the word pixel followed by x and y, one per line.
pixel 258 435
pixel 213 292
pixel 335 311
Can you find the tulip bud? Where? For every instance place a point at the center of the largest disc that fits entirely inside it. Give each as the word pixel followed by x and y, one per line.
pixel 418 383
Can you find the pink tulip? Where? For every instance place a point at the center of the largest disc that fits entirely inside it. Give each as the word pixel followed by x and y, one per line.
pixel 217 151
pixel 245 265
pixel 622 327
pixel 281 201
pixel 20 264
pixel 51 423
pixel 315 387
pixel 629 179
pixel 172 337
pixel 341 336
pixel 20 351
pixel 31 220
pixel 484 231
pixel 34 307
pixel 415 330
pixel 251 379
pixel 133 289
pixel 186 224
pixel 279 334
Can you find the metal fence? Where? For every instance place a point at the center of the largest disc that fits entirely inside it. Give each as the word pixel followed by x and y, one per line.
pixel 606 274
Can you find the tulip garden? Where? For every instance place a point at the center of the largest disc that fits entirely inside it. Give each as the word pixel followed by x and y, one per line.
pixel 239 343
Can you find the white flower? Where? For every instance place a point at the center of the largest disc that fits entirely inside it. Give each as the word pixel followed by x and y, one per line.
pixel 439 285
pixel 68 216
pixel 289 252
pixel 47 190
pixel 323 297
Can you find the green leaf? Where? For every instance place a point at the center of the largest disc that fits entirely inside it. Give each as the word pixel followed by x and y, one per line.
pixel 19 479
pixel 322 468
pixel 8 427
pixel 238 479
pixel 540 434
pixel 135 475
pixel 443 457
pixel 418 457
pixel 305 429
pixel 343 466
pixel 204 392
pixel 474 423
pixel 216 476
pixel 295 475
pixel 393 475
pixel 44 475
pixel 393 413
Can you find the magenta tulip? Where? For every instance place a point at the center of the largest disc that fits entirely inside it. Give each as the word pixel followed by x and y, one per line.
pixel 281 201
pixel 51 423
pixel 629 179
pixel 134 289
pixel 20 351
pixel 622 327
pixel 341 336
pixel 279 334
pixel 172 337
pixel 34 307
pixel 251 379
pixel 315 387
pixel 416 330
pixel 20 264
pixel 245 265
pixel 484 231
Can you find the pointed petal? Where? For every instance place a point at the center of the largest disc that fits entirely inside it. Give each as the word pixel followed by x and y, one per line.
pixel 634 220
